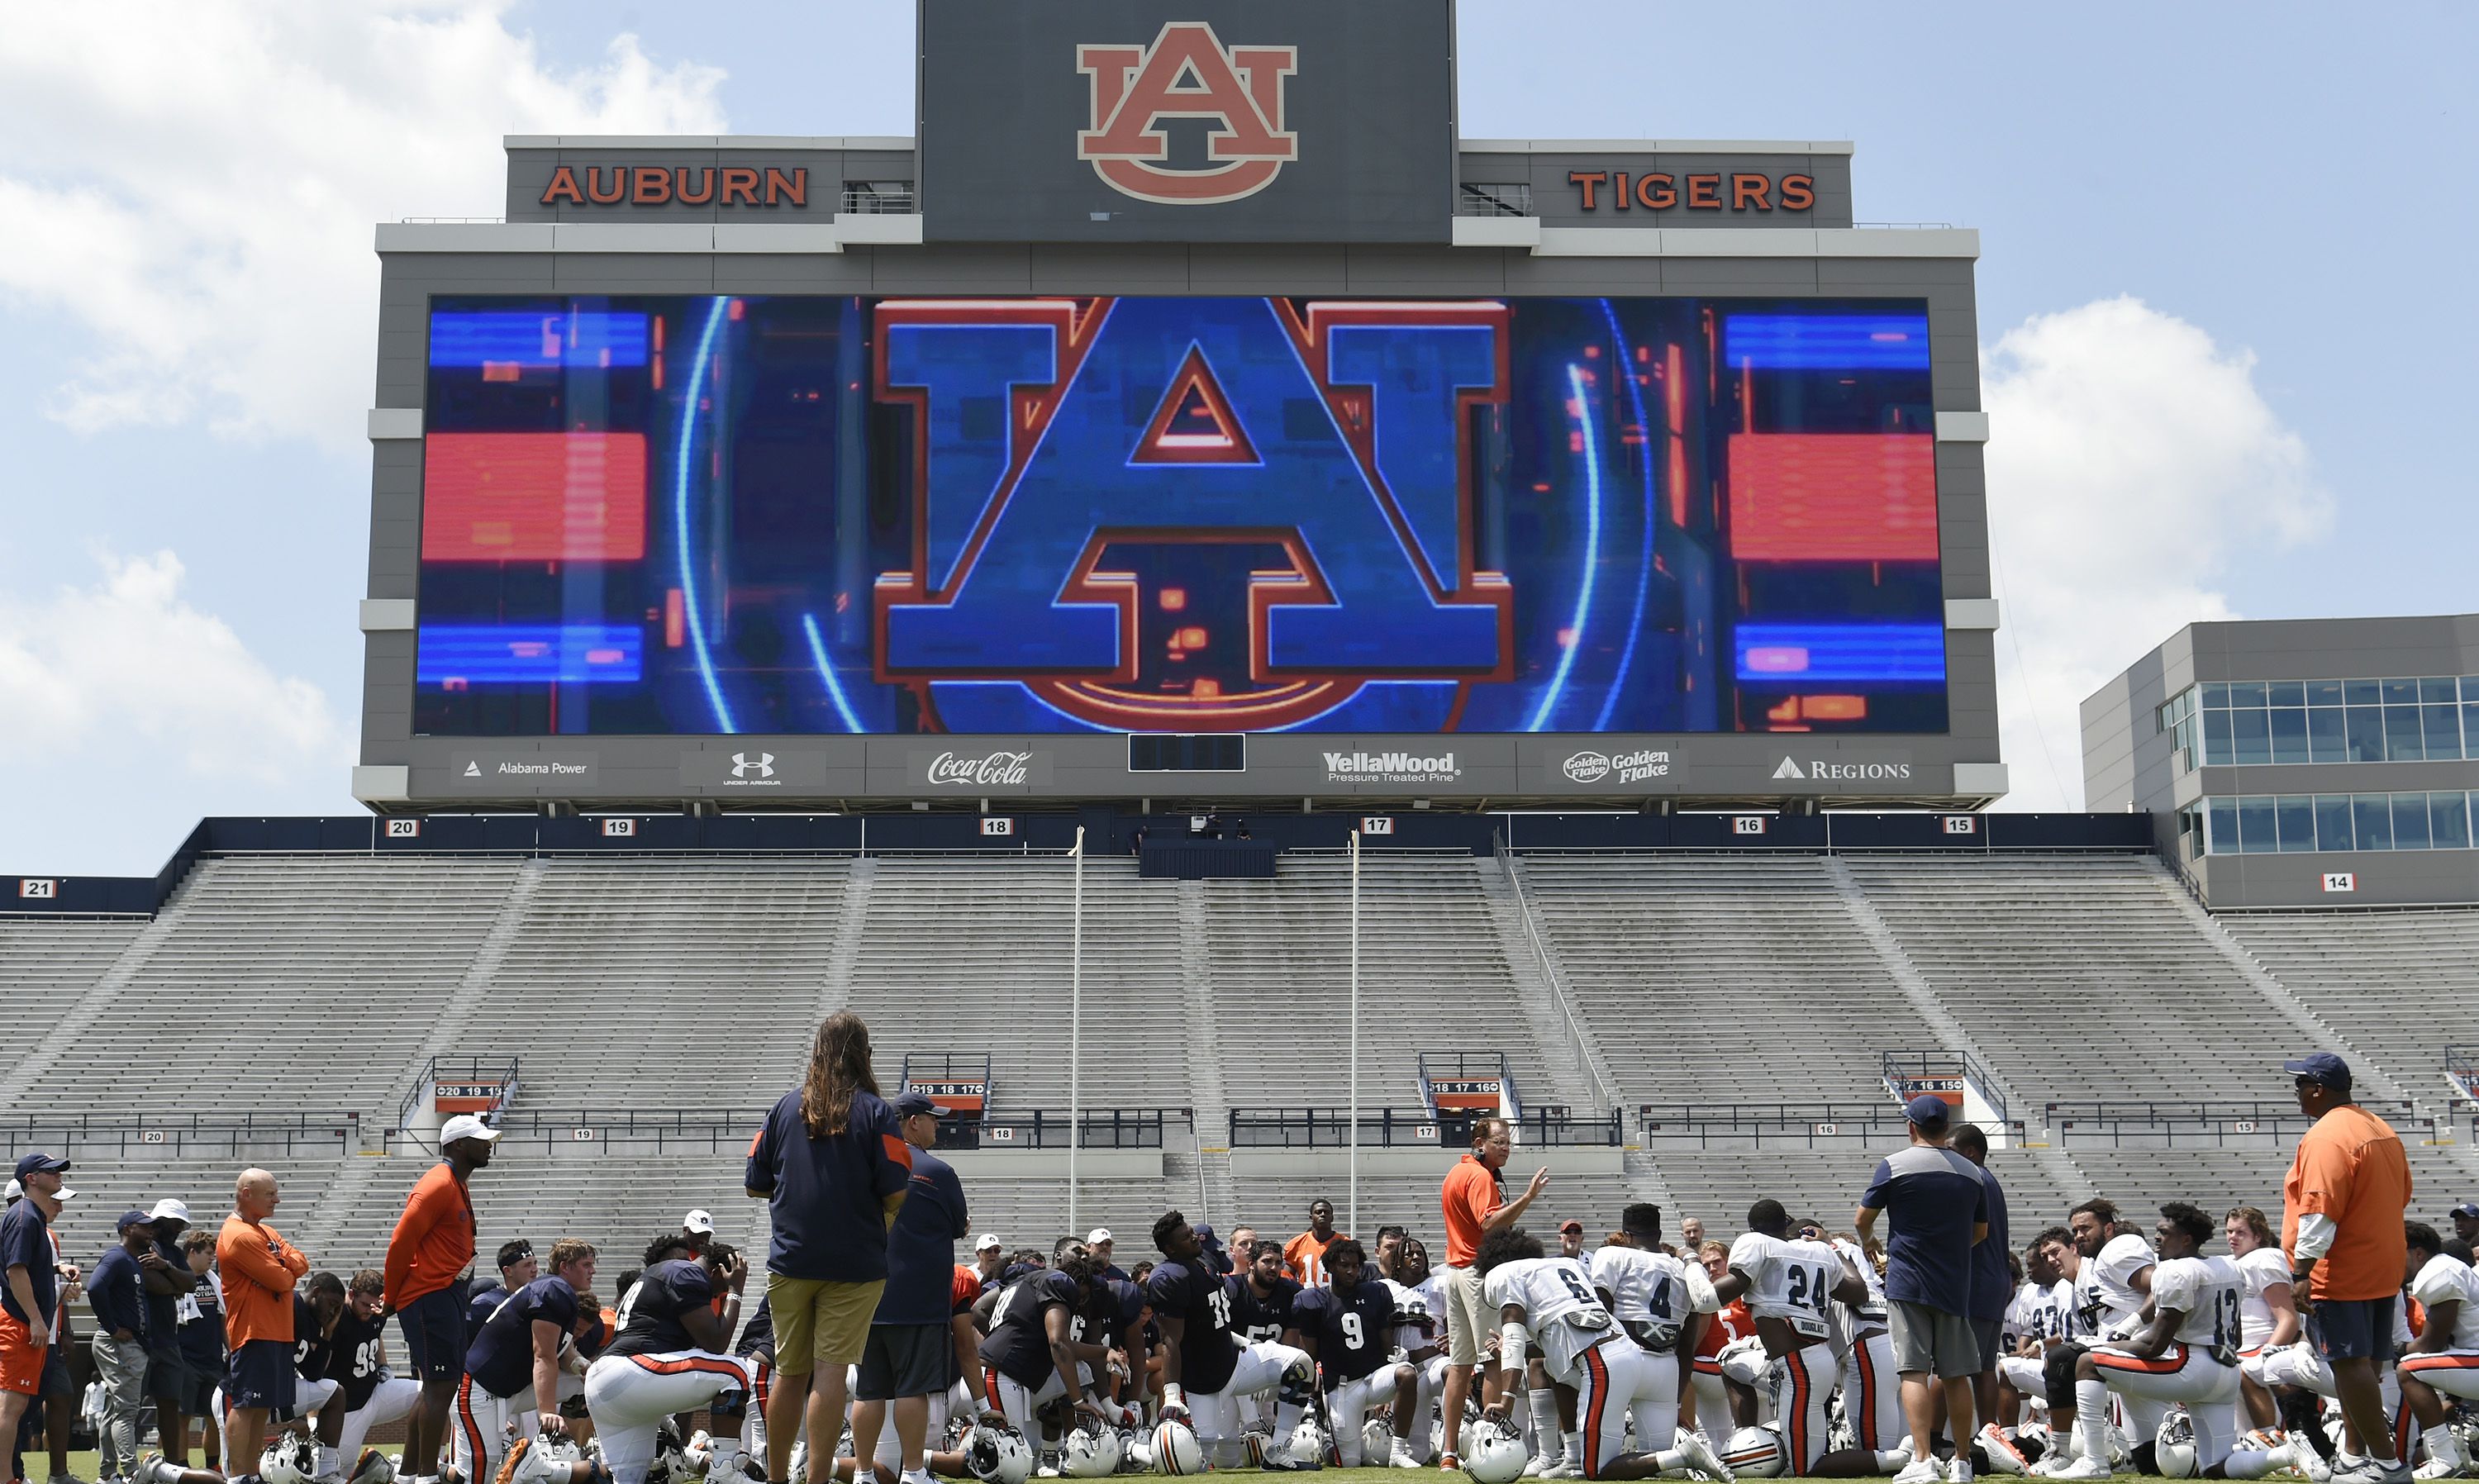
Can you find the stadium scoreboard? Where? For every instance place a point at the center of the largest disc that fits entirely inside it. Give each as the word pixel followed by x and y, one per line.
pixel 1183 410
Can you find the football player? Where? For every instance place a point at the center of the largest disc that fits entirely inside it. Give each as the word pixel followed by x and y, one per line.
pixel 1871 1387
pixel 2183 1349
pixel 1790 1286
pixel 1719 1405
pixel 1347 1327
pixel 1420 1331
pixel 2266 1315
pixel 669 1358
pixel 2113 1276
pixel 1031 1356
pixel 511 1382
pixel 1261 1295
pixel 2037 1321
pixel 2444 1358
pixel 372 1396
pixel 1550 1301
pixel 1664 1303
pixel 1206 1369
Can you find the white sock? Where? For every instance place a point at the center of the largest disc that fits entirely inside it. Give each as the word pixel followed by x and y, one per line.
pixel 1544 1417
pixel 1573 1443
pixel 1892 1460
pixel 2443 1447
pixel 2092 1419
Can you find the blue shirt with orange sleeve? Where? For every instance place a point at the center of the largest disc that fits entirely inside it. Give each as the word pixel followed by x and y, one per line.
pixel 433 1242
pixel 829 1191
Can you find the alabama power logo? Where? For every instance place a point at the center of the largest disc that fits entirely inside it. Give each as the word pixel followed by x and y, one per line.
pixel 1188 73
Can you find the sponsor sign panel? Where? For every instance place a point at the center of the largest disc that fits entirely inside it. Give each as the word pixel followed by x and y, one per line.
pixel 500 773
pixel 976 764
pixel 1360 766
pixel 753 769
pixel 1206 120
pixel 1822 770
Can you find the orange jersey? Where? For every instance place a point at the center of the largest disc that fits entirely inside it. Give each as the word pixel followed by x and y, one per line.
pixel 964 1293
pixel 2351 1169
pixel 1305 1255
pixel 433 1241
pixel 1733 1322
pixel 259 1269
pixel 1467 1198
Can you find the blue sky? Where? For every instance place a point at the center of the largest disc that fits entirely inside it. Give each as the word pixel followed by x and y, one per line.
pixel 2225 289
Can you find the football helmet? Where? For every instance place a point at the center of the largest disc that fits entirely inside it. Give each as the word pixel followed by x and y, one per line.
pixel 2173 1447
pixel 999 1456
pixel 1090 1453
pixel 1756 1452
pixel 1310 1446
pixel 1376 1442
pixel 1493 1453
pixel 1175 1448
pixel 291 1459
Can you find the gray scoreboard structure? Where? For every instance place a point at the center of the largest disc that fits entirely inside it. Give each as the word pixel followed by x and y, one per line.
pixel 1184 413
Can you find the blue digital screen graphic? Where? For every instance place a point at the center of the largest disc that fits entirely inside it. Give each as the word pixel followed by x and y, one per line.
pixel 709 514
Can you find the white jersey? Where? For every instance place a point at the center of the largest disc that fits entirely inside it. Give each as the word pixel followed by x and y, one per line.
pixel 1653 1290
pixel 1791 1281
pixel 1867 1316
pixel 2260 1270
pixel 1560 1307
pixel 1421 1307
pixel 2446 1279
pixel 2036 1314
pixel 2104 1294
pixel 2206 1290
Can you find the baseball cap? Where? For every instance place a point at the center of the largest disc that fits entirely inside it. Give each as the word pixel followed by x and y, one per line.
pixel 2321 1066
pixel 2465 1209
pixel 1570 1226
pixel 1097 1236
pixel 702 1221
pixel 36 1163
pixel 465 1126
pixel 1928 1110
pixel 129 1218
pixel 988 1242
pixel 170 1210
pixel 15 1191
pixel 913 1105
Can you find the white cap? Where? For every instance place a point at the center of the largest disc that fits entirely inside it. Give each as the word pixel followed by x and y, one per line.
pixel 465 1126
pixel 701 1221
pixel 63 1193
pixel 1097 1236
pixel 170 1210
pixel 16 1191
pixel 988 1242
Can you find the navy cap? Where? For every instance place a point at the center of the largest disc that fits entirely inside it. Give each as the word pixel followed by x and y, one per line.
pixel 1206 1238
pixel 36 1164
pixel 2465 1209
pixel 1928 1110
pixel 910 1105
pixel 130 1219
pixel 2323 1066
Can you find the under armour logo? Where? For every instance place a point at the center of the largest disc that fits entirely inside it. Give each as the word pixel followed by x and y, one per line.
pixel 742 766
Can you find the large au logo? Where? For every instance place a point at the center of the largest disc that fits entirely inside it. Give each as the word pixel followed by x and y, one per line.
pixel 1188 73
pixel 1290 479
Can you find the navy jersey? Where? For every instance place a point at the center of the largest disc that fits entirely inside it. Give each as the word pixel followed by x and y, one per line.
pixel 1018 1343
pixel 650 1313
pixel 202 1324
pixel 759 1334
pixel 501 1360
pixel 311 1350
pixel 479 1304
pixel 1354 1331
pixel 1207 1351
pixel 354 1356
pixel 1120 1303
pixel 1262 1317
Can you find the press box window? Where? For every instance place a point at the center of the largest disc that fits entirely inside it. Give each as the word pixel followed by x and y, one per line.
pixel 1224 751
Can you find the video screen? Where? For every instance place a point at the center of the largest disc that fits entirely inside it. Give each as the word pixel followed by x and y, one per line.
pixel 698 516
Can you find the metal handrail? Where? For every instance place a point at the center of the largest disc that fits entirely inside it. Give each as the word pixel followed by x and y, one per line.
pixel 1766 1116
pixel 1331 1128
pixel 2102 1111
pixel 1577 1042
pixel 474 1069
pixel 94 1135
pixel 1925 1064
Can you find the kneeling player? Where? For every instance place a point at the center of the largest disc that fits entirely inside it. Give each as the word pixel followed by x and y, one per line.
pixel 1349 1329
pixel 1207 1368
pixel 1550 1300
pixel 2443 1361
pixel 1791 1285
pixel 1031 1358
pixel 357 1360
pixel 2187 1352
pixel 669 1358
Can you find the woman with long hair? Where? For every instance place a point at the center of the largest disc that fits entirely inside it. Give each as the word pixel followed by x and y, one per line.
pixel 834 1165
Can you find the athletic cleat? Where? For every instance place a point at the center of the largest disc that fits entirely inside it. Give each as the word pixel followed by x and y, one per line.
pixel 1957 1469
pixel 2003 1456
pixel 2082 1469
pixel 1703 1457
pixel 1563 1468
pixel 1921 1470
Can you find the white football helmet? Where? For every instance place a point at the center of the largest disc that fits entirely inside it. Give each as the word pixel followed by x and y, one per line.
pixel 2173 1447
pixel 1745 1361
pixel 1090 1453
pixel 999 1456
pixel 291 1459
pixel 1309 1446
pixel 1493 1453
pixel 1756 1452
pixel 1376 1442
pixel 1175 1448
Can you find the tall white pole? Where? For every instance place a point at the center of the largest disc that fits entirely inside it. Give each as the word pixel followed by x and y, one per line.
pixel 1352 1158
pixel 1075 1020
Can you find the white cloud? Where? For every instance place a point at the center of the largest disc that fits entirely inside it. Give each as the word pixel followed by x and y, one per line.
pixel 196 182
pixel 2132 461
pixel 95 681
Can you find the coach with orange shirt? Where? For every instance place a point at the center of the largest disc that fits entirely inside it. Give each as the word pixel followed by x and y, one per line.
pixel 426 1260
pixel 1474 1205
pixel 258 1268
pixel 2341 1225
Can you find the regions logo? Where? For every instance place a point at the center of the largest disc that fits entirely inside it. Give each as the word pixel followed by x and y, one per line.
pixel 1390 768
pixel 1185 73
pixel 1587 768
pixel 992 770
pixel 1824 771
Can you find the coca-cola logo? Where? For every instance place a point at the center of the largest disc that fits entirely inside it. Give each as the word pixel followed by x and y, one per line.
pixel 993 770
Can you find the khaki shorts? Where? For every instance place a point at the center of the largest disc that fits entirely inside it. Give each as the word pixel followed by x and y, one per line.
pixel 818 1322
pixel 1467 1316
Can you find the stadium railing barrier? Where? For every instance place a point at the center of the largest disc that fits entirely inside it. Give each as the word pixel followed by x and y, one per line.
pixel 1756 1125
pixel 591 1132
pixel 149 1135
pixel 2134 1125
pixel 1330 1128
